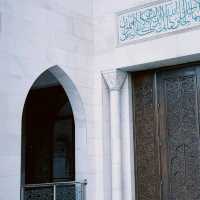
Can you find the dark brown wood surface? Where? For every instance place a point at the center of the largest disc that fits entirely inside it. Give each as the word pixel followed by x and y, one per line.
pixel 179 133
pixel 166 122
pixel 146 141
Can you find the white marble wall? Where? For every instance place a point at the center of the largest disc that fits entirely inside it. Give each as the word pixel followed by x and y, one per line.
pixel 165 51
pixel 34 36
pixel 80 38
pixel 109 56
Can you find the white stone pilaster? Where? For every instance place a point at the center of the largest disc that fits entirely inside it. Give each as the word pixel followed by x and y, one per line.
pixel 115 80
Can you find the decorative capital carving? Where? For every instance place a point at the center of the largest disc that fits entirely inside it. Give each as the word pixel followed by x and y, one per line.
pixel 114 78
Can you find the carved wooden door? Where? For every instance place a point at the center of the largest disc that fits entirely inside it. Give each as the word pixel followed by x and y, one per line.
pixel 146 138
pixel 167 148
pixel 178 94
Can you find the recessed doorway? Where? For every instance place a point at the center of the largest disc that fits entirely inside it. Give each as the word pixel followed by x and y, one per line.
pixel 51 160
pixel 167 141
pixel 49 134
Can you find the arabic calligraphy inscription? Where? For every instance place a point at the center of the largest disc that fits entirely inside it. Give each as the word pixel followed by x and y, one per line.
pixel 157 19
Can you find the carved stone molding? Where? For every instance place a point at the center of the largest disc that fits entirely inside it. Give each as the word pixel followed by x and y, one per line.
pixel 114 78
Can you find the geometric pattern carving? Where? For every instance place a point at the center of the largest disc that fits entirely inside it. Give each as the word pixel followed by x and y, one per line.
pixel 146 143
pixel 67 193
pixel 38 193
pixel 63 192
pixel 182 137
pixel 173 154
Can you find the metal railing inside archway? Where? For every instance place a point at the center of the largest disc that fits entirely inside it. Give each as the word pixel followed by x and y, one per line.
pixel 55 191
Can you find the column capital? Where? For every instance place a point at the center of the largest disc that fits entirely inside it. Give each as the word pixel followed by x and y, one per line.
pixel 114 78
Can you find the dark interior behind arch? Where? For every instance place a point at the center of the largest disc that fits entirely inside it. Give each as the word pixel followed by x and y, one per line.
pixel 48 149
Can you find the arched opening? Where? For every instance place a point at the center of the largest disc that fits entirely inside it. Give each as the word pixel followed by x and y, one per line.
pixel 49 133
pixel 52 161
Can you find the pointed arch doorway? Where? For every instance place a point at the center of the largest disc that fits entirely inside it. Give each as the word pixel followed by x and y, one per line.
pixel 49 151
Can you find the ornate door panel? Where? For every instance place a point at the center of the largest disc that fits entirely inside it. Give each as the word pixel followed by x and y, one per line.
pixel 167 144
pixel 179 133
pixel 146 139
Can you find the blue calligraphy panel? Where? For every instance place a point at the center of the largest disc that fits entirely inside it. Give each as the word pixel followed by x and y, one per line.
pixel 157 19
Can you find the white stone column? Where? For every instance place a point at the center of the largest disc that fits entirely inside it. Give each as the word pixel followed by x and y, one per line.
pixel 115 80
